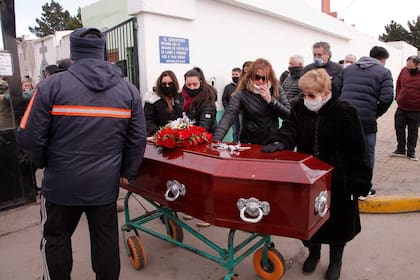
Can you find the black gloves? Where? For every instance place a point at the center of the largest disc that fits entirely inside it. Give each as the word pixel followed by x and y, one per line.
pixel 276 146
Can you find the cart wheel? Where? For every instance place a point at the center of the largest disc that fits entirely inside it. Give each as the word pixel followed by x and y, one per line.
pixel 175 231
pixel 137 252
pixel 276 264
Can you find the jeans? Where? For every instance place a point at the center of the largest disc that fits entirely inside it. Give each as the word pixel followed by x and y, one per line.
pixel 406 119
pixel 371 144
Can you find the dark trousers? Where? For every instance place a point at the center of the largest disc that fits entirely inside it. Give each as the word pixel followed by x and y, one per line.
pixel 58 224
pixel 406 119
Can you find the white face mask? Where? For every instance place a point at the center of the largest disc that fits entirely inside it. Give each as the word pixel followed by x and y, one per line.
pixel 313 104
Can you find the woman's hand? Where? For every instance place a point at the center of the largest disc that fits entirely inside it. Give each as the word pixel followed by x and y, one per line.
pixel 265 93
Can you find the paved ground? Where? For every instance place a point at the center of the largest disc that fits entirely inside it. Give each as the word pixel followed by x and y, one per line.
pixel 386 249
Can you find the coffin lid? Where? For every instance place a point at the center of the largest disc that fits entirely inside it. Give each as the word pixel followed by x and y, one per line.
pixel 250 163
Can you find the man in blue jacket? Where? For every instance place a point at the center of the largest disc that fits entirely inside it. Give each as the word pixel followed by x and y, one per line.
pixel 86 127
pixel 368 86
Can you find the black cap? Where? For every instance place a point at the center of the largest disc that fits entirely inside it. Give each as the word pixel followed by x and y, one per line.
pixel 87 43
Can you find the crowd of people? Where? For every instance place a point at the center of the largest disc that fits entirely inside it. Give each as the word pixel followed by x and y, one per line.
pixel 328 110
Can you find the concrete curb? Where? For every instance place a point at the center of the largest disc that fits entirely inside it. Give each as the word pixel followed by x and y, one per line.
pixel 390 204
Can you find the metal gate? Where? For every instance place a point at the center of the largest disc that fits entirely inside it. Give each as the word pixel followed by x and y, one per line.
pixel 121 49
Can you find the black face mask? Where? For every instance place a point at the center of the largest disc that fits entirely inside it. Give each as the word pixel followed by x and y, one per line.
pixel 296 72
pixel 168 91
pixel 413 71
pixel 235 79
pixel 192 92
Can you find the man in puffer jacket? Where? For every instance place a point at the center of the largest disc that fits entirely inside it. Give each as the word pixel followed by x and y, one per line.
pixel 368 86
pixel 86 127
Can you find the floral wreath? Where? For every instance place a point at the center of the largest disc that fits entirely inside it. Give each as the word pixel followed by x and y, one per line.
pixel 181 133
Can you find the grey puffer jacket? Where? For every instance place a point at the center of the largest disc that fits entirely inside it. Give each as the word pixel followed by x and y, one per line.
pixel 259 119
pixel 368 86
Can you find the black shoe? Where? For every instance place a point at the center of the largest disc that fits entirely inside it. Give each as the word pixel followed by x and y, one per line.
pixel 310 263
pixel 372 193
pixel 397 153
pixel 412 156
pixel 333 271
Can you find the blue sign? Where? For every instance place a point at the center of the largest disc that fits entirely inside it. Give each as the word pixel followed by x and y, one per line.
pixel 174 50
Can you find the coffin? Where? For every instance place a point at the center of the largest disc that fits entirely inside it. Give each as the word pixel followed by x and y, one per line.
pixel 282 193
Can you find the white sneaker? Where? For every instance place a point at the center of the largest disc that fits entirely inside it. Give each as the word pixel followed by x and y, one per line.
pixel 187 217
pixel 372 193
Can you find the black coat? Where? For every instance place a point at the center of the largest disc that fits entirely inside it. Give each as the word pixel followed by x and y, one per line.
pixel 157 113
pixel 259 119
pixel 335 136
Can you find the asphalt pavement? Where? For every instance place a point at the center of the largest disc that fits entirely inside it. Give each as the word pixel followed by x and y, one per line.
pixel 386 249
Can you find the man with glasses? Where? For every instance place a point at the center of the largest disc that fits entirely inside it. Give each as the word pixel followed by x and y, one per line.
pixel 322 59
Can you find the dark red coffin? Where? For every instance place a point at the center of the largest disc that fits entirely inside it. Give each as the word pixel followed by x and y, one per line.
pixel 283 193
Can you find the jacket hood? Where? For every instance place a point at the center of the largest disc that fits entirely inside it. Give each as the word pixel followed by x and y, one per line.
pixel 366 62
pixel 96 74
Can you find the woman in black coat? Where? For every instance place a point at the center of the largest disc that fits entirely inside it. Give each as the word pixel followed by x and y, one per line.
pixel 328 128
pixel 199 99
pixel 165 105
pixel 259 101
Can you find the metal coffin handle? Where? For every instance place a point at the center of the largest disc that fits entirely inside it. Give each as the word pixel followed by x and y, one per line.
pixel 174 189
pixel 253 208
pixel 321 204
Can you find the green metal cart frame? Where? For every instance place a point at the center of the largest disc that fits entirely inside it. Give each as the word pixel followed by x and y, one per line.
pixel 268 262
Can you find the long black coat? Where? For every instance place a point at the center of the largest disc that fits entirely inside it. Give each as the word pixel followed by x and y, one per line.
pixel 335 136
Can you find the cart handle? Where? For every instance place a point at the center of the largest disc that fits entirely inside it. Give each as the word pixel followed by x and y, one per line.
pixel 174 189
pixel 254 208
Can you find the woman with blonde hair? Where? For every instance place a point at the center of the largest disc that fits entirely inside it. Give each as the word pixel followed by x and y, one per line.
pixel 329 128
pixel 258 99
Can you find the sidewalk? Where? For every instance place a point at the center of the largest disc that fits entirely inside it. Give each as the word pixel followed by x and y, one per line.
pixel 395 179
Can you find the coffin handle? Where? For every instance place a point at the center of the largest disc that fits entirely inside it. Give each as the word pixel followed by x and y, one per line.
pixel 174 189
pixel 253 208
pixel 321 204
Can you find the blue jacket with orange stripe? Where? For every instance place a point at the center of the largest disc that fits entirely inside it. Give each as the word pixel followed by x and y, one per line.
pixel 86 127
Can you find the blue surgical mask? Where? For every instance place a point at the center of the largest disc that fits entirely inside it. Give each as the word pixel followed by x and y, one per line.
pixel 318 61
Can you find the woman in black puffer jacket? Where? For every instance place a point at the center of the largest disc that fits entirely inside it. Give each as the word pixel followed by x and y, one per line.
pixel 260 102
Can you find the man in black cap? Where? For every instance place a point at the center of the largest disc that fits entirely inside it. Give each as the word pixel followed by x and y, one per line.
pixel 86 127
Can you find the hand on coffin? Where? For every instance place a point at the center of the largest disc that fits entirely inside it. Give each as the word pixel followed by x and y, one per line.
pixel 123 181
pixel 276 146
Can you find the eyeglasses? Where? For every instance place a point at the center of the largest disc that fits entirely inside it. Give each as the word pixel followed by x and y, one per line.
pixel 170 84
pixel 318 54
pixel 258 77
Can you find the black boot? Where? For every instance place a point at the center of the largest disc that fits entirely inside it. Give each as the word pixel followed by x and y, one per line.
pixel 312 260
pixel 334 268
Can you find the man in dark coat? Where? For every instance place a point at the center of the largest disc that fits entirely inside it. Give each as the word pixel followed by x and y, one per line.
pixel 368 86
pixel 227 96
pixel 322 59
pixel 86 127
pixel 329 129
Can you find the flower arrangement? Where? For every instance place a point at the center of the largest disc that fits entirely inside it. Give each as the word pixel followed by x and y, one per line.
pixel 181 133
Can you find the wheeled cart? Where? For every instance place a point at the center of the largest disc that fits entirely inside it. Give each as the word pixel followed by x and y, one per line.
pixel 268 262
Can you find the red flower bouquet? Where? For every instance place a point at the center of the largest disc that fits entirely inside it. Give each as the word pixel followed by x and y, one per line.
pixel 181 133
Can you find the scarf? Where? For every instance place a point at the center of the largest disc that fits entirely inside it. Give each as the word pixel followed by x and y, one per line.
pixel 187 101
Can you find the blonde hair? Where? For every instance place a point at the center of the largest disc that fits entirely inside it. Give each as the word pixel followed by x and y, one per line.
pixel 316 80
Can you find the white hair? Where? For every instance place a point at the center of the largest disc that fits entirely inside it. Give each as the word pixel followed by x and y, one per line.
pixel 298 58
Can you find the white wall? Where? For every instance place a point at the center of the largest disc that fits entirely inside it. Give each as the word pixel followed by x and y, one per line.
pixel 32 61
pixel 223 34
